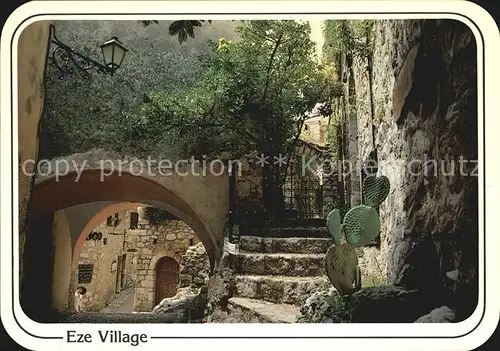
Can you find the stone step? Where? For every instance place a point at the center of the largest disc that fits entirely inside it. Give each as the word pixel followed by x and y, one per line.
pixel 285 245
pixel 288 264
pixel 259 311
pixel 292 232
pixel 279 289
pixel 115 318
pixel 301 222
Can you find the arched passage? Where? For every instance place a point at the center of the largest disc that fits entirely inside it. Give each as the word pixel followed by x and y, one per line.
pixel 51 195
pixel 199 201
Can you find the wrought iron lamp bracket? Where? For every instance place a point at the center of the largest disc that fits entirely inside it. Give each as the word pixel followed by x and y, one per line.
pixel 65 59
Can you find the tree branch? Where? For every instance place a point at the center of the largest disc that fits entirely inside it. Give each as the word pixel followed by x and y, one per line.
pixel 268 73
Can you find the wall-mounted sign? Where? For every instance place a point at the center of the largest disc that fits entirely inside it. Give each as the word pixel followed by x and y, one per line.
pixel 94 236
pixel 85 273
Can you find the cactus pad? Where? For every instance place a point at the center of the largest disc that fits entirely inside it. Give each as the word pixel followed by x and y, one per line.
pixel 342 268
pixel 361 225
pixel 333 224
pixel 376 190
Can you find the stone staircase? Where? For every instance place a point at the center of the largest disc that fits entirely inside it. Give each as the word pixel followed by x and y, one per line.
pixel 276 271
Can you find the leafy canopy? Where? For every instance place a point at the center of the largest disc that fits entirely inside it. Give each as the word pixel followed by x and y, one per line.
pixel 81 114
pixel 253 95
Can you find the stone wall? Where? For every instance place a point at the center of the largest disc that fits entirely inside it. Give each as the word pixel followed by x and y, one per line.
pixel 314 130
pixel 249 192
pixel 106 272
pixel 146 245
pixel 425 108
pixel 195 267
pixel 140 248
pixel 32 52
pixel 61 251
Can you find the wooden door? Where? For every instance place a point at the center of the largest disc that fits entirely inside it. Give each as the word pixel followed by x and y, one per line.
pixel 167 277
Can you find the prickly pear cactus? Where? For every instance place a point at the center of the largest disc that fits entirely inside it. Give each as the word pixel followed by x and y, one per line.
pixel 343 209
pixel 342 268
pixel 375 190
pixel 361 225
pixel 334 226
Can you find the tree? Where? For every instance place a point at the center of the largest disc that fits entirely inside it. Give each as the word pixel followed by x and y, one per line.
pixel 255 95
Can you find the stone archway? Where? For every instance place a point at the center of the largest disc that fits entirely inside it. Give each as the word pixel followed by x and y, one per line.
pixel 199 201
pixel 74 189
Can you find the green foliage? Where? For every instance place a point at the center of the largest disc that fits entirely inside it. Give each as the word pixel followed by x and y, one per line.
pixel 334 138
pixel 248 98
pixel 361 225
pixel 81 114
pixel 157 215
pixel 342 268
pixel 334 225
pixel 350 37
pixel 375 190
pixel 375 278
pixel 337 89
pixel 182 29
pixel 177 101
pixel 337 303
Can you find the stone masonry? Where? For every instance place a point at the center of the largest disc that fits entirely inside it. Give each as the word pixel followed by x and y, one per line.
pixel 147 245
pixel 102 288
pixel 140 248
pixel 195 267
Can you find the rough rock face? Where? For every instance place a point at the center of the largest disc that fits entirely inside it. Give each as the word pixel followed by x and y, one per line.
pixel 220 290
pixel 439 315
pixel 188 305
pixel 388 304
pixel 323 307
pixel 195 267
pixel 279 289
pixel 425 117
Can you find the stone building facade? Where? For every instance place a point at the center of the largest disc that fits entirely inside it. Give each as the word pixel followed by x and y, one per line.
pixel 126 257
pixel 147 245
pixel 314 130
pixel 110 266
pixel 195 267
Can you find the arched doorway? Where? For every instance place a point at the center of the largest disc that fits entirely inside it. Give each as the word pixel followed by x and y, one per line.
pixel 167 278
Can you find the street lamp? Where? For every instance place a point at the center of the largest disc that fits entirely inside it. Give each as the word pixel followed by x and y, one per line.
pixel 66 59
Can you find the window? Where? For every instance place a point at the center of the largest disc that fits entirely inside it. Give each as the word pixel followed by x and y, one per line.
pixel 134 219
pixel 306 127
pixel 117 220
pixel 85 273
pixel 191 242
pixel 109 221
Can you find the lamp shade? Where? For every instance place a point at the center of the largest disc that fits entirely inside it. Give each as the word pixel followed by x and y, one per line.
pixel 113 53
